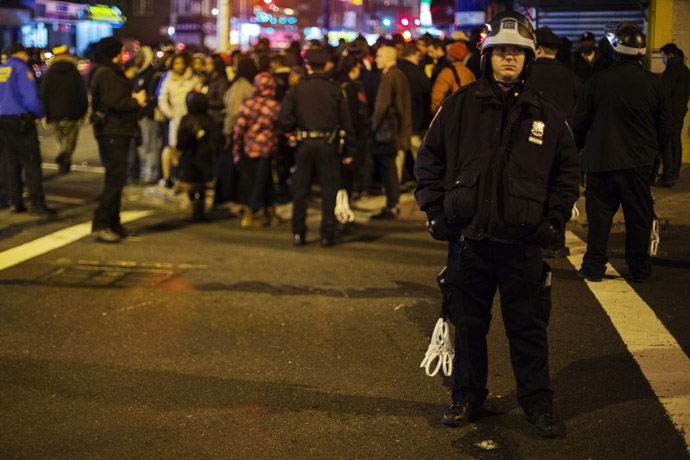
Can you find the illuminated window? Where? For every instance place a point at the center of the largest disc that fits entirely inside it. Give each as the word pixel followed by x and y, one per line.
pixel 144 6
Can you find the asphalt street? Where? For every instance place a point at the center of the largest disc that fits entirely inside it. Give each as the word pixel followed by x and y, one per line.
pixel 206 341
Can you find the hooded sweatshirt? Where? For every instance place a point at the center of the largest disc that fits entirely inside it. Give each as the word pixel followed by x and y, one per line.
pixel 256 133
pixel 63 91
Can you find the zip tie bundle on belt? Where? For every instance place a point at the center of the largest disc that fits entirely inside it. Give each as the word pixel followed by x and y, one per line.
pixel 575 213
pixel 654 239
pixel 440 347
pixel 342 207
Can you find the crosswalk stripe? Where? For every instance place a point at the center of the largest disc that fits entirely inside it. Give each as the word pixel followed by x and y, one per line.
pixel 56 240
pixel 661 359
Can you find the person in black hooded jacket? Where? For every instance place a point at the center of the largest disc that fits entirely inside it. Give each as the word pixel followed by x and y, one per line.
pixel 65 102
pixel 197 139
pixel 114 114
pixel 676 81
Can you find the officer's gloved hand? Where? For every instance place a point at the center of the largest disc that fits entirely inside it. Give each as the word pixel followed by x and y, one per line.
pixel 438 226
pixel 544 233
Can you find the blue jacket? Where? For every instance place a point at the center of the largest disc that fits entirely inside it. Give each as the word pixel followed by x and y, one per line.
pixel 18 92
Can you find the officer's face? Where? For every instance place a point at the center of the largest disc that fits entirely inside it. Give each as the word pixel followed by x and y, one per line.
pixel 507 63
pixel 664 58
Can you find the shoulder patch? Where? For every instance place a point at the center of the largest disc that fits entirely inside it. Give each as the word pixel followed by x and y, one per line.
pixel 5 73
pixel 30 75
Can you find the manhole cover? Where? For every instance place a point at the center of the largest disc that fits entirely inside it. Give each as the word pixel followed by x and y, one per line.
pixel 106 276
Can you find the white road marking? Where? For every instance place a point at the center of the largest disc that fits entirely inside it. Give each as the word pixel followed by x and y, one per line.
pixel 661 359
pixel 56 240
pixel 76 167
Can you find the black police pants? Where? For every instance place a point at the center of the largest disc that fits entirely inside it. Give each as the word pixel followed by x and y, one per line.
pixel 605 192
pixel 672 156
pixel 113 152
pixel 22 151
pixel 315 156
pixel 476 269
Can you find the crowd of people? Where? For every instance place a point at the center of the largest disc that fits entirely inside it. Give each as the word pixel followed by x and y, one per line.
pixel 389 92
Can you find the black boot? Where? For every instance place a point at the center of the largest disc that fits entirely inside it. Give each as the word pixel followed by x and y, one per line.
pixel 64 163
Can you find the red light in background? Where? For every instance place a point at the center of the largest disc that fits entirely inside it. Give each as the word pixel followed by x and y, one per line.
pixel 405 22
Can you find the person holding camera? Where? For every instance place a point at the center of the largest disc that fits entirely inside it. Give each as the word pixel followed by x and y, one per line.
pixel 114 116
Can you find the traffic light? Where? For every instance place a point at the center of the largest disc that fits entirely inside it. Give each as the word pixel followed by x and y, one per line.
pixel 386 22
pixel 405 22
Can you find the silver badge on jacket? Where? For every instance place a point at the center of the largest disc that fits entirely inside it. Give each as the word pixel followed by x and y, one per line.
pixel 537 133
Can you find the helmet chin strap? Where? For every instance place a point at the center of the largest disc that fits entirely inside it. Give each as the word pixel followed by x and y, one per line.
pixel 509 84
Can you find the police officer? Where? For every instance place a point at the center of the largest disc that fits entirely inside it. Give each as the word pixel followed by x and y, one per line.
pixel 317 110
pixel 621 121
pixel 497 174
pixel 560 83
pixel 20 106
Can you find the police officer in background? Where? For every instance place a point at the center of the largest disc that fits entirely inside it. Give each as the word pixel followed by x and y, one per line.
pixel 497 175
pixel 621 121
pixel 676 81
pixel 317 110
pixel 560 83
pixel 20 106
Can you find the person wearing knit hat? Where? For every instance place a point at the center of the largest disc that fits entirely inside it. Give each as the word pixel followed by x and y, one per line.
pixel 457 51
pixel 114 117
pixel 455 75
pixel 110 47
pixel 65 101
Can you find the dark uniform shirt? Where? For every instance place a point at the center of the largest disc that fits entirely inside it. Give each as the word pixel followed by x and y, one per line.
pixel 556 81
pixel 316 104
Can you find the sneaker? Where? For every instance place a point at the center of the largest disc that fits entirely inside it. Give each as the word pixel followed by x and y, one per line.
pixel 122 232
pixel 299 239
pixel 547 426
pixel 106 235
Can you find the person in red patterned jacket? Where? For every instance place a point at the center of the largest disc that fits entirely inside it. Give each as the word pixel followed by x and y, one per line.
pixel 255 142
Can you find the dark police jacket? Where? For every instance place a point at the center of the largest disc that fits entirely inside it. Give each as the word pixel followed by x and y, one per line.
pixel 317 104
pixel 111 95
pixel 621 119
pixel 557 81
pixel 497 175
